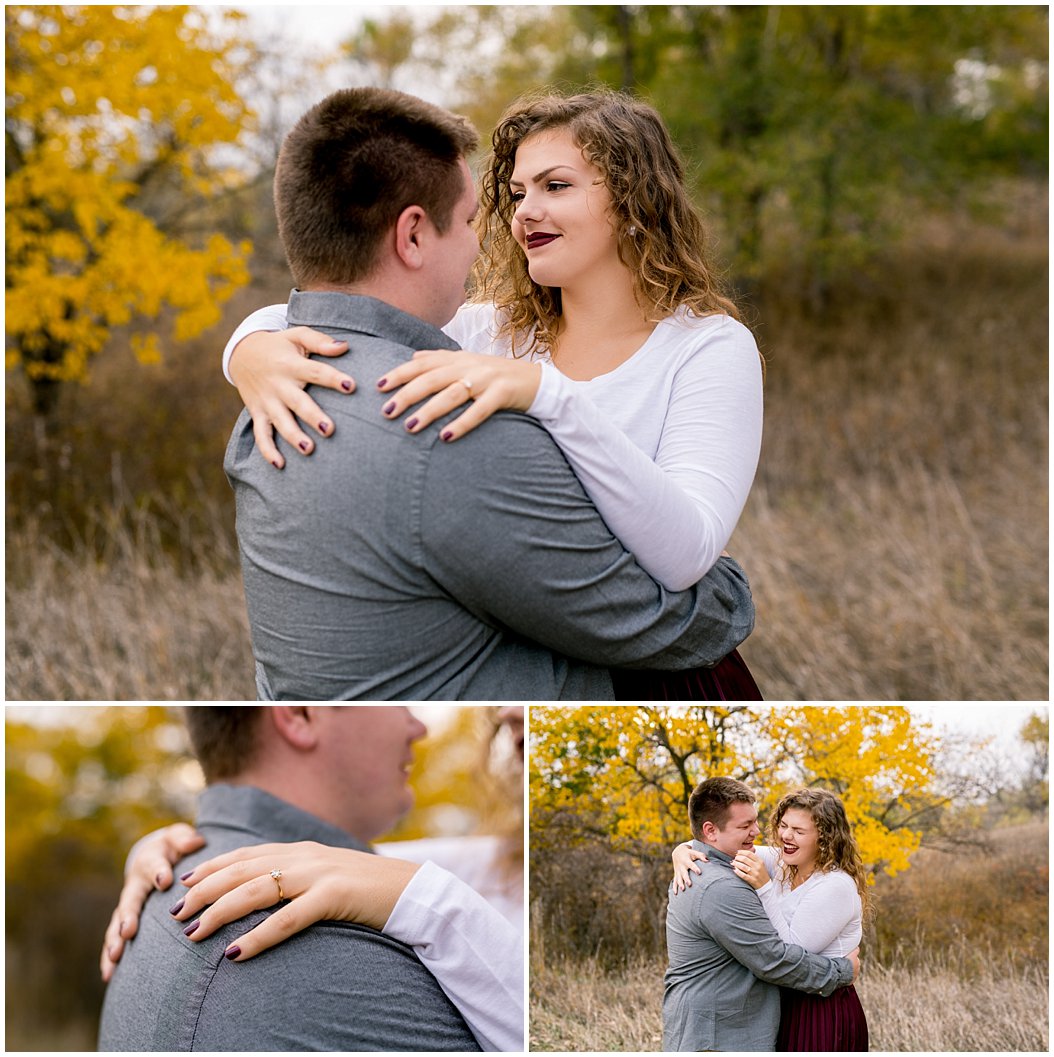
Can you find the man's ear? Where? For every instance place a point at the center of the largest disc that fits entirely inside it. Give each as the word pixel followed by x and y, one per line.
pixel 709 831
pixel 411 230
pixel 295 724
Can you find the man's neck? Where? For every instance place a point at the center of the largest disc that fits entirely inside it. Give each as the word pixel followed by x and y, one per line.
pixel 394 291
pixel 303 794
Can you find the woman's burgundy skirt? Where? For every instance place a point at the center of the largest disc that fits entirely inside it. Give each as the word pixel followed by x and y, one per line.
pixel 814 1024
pixel 728 680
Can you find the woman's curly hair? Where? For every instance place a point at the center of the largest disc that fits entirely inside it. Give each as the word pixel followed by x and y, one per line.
pixel 836 846
pixel 627 141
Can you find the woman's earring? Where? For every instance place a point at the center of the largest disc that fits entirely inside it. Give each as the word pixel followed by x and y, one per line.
pixel 632 229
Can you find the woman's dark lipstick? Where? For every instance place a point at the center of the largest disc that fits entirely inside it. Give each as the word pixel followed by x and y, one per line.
pixel 539 238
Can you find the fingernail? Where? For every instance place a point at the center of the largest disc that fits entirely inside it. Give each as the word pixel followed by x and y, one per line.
pixel 178 907
pixel 323 426
pixel 122 927
pixel 183 877
pixel 346 386
pixel 389 407
pixel 411 423
pixel 277 465
pixel 382 383
pixel 157 880
pixel 447 434
pixel 232 952
pixel 303 445
pixel 192 927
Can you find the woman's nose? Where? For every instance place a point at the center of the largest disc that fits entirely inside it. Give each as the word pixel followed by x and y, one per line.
pixel 526 209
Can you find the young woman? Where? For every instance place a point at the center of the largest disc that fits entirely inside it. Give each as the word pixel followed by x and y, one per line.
pixel 457 901
pixel 598 313
pixel 812 884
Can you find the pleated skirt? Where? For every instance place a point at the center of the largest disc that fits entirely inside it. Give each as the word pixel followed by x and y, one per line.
pixel 728 680
pixel 814 1024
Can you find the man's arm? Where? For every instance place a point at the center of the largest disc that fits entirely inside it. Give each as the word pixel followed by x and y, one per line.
pixel 738 922
pixel 509 531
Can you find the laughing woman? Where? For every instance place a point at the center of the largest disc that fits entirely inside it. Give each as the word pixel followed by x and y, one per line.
pixel 812 884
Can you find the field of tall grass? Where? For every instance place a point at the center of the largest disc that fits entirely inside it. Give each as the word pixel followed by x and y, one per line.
pixel 959 963
pixel 923 1007
pixel 896 538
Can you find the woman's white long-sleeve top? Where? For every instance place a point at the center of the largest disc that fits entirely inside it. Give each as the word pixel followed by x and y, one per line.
pixel 823 915
pixel 472 945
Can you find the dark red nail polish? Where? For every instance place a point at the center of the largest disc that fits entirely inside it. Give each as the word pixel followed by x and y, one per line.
pixel 232 952
pixel 323 426
pixel 389 407
pixel 277 465
pixel 157 880
pixel 183 877
pixel 303 445
pixel 382 383
pixel 178 907
pixel 192 927
pixel 447 434
pixel 411 423
pixel 346 386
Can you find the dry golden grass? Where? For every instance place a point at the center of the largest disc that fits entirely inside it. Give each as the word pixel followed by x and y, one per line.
pixel 124 625
pixel 896 537
pixel 927 1008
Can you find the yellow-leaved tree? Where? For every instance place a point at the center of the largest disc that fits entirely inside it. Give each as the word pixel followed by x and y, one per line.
pixel 114 117
pixel 622 774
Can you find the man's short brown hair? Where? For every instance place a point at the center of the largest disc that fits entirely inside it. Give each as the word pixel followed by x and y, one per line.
pixel 712 800
pixel 348 169
pixel 224 737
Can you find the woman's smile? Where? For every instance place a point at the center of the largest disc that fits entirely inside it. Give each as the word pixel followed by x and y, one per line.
pixel 537 239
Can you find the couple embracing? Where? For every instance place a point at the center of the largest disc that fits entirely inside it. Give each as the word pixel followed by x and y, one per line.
pixel 763 943
pixel 549 523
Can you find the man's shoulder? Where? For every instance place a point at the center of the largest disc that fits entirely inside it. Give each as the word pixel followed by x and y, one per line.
pixel 334 986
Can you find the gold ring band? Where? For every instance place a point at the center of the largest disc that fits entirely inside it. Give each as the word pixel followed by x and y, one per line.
pixel 467 384
pixel 277 875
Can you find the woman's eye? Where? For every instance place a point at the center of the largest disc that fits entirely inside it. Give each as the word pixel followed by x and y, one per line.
pixel 516 196
pixel 555 185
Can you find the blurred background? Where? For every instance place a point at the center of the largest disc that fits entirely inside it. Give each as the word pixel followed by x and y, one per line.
pixel 876 182
pixel 949 807
pixel 83 783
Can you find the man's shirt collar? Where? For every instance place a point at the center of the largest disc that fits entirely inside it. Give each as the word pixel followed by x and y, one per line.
pixel 328 310
pixel 245 807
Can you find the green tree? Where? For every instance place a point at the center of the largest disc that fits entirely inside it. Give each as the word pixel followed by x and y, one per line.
pixel 114 115
pixel 813 133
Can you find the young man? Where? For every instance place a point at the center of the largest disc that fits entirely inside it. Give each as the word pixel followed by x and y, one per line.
pixel 391 567
pixel 288 773
pixel 725 957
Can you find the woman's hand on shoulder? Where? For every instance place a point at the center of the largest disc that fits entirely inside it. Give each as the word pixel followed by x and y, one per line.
pixel 149 868
pixel 316 882
pixel 451 378
pixel 271 370
pixel 684 859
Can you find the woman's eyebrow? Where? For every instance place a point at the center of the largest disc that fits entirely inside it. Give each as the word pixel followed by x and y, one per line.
pixel 541 176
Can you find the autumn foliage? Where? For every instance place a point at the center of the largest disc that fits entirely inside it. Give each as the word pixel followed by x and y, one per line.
pixel 114 115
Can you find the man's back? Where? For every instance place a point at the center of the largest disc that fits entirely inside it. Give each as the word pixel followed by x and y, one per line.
pixel 334 986
pixel 395 566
